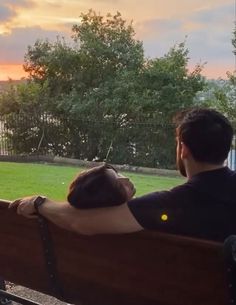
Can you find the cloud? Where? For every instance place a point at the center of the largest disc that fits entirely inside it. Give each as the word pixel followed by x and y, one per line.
pixel 212 39
pixel 210 45
pixel 14 45
pixel 214 15
pixel 208 25
pixel 156 27
pixel 208 31
pixel 18 3
pixel 8 8
pixel 159 35
pixel 53 3
pixel 108 1
pixel 6 14
pixel 112 2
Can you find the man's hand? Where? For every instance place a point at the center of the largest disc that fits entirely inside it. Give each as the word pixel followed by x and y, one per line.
pixel 110 220
pixel 25 206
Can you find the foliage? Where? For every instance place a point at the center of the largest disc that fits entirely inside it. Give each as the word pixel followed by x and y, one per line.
pixel 110 102
pixel 221 94
pixel 234 41
pixel 26 97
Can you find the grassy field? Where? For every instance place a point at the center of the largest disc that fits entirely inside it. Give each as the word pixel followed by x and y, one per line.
pixel 23 179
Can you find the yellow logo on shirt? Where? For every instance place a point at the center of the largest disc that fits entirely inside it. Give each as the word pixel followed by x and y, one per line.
pixel 164 217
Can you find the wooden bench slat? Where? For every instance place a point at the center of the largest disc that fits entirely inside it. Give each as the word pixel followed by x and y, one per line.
pixel 145 268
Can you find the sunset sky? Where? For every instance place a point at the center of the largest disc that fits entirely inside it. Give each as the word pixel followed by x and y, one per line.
pixel 206 25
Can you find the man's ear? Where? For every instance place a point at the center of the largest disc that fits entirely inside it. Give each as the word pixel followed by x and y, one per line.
pixel 185 152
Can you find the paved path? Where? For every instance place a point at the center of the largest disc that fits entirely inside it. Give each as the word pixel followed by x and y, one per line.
pixel 34 296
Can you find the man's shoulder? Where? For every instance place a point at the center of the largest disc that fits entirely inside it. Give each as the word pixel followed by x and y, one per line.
pixel 150 209
pixel 175 196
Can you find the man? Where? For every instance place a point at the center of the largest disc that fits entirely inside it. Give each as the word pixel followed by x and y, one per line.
pixel 203 207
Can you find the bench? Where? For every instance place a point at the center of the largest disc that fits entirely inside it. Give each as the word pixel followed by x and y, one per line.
pixel 145 268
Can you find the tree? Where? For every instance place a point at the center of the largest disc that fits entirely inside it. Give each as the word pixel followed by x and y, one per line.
pixel 107 96
pixel 234 41
pixel 221 94
pixel 167 87
pixel 171 86
pixel 28 127
pixel 79 78
pixel 28 98
pixel 53 65
pixel 103 47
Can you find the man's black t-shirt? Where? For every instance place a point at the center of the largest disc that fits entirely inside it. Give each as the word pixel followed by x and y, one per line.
pixel 203 207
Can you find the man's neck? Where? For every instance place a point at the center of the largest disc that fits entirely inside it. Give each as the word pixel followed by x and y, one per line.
pixel 199 167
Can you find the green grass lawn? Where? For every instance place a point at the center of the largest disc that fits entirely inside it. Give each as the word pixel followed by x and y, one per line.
pixel 23 179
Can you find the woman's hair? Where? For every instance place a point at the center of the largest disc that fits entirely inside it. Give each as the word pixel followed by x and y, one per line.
pixel 95 188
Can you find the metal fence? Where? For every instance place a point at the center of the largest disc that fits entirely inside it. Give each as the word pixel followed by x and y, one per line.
pixel 5 145
pixel 141 144
pixel 150 145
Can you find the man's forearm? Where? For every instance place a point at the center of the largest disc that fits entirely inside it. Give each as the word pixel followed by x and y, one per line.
pixel 60 213
pixel 111 220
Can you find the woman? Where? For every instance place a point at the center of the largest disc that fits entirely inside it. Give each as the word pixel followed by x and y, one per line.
pixel 100 186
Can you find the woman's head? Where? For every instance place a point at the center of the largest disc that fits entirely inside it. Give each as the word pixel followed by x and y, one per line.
pixel 100 186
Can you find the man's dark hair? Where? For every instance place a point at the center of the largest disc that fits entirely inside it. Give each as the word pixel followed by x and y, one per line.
pixel 95 188
pixel 207 133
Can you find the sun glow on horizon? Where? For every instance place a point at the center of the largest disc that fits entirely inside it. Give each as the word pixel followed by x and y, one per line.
pixel 16 71
pixel 12 71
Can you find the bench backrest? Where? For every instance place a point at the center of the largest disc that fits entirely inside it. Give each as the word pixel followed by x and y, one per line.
pixel 145 268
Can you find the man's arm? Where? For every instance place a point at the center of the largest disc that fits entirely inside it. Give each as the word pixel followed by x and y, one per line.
pixel 111 220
